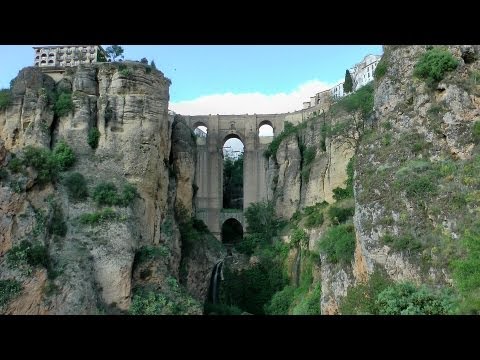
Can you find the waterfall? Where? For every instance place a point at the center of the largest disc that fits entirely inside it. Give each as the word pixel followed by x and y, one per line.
pixel 214 288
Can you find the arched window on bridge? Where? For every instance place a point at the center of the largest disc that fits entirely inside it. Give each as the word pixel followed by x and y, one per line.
pixel 265 132
pixel 233 172
pixel 200 131
pixel 232 231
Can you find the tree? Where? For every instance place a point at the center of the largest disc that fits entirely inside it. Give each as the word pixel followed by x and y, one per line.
pixel 152 64
pixel 114 52
pixel 348 84
pixel 144 61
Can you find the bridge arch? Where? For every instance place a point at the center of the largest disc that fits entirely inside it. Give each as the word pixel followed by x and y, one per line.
pixel 269 124
pixel 232 231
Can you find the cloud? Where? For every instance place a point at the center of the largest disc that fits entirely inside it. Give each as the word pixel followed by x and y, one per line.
pixel 250 103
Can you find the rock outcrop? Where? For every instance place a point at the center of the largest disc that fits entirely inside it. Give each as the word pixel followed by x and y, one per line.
pixel 128 105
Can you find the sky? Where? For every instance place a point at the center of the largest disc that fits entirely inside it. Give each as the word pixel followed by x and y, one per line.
pixel 230 79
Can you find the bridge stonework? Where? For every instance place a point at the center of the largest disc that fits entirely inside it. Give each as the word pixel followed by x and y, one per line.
pixel 209 165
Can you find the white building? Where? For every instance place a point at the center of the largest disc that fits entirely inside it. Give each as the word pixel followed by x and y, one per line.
pixel 337 91
pixel 362 73
pixel 67 55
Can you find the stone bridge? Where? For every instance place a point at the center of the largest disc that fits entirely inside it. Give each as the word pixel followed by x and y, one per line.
pixel 237 215
pixel 209 167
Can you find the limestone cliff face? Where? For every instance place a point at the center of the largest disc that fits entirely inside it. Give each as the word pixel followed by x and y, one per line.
pixel 297 183
pixel 429 127
pixel 129 108
pixel 415 192
pixel 294 184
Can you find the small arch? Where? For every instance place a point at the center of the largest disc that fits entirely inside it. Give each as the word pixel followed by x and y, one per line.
pixel 38 50
pixel 50 61
pixel 232 231
pixel 37 57
pixel 43 62
pixel 44 55
pixel 265 128
pixel 200 131
pixel 36 64
pixel 233 145
pixel 51 55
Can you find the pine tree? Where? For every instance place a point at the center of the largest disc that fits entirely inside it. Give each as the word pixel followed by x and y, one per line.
pixel 152 64
pixel 348 84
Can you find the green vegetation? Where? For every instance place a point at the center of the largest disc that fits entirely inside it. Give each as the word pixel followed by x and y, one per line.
pixel 348 83
pixel 147 252
pixel 360 299
pixel 93 137
pixel 221 309
pixel 98 217
pixel 288 130
pixel 407 299
pixel 314 218
pixel 418 178
pixel 63 104
pixel 361 100
pixel 381 296
pixel 403 242
pixel 127 73
pixel 380 70
pixel 233 182
pixel 76 186
pixel 9 289
pixel 302 298
pixel 3 174
pixel 57 224
pixel 262 225
pixel 114 52
pixel 172 301
pixel 252 288
pixel 48 164
pixel 27 255
pixel 338 244
pixel 5 98
pixel 15 164
pixel 466 271
pixel 106 193
pixel 309 304
pixel 281 301
pixel 101 57
pixel 476 131
pixel 340 193
pixel 63 156
pixel 434 64
pixel 299 238
pixel 339 214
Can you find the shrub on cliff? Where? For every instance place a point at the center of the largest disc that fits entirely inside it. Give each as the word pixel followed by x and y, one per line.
pixel 5 98
pixel 76 186
pixel 9 289
pixel 434 64
pixel 93 137
pixel 63 104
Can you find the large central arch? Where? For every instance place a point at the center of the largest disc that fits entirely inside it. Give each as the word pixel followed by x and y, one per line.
pixel 209 166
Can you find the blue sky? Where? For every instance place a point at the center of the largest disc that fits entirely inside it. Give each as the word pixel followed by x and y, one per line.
pixel 229 79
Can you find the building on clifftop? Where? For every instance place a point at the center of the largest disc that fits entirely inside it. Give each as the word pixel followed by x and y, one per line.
pixel 68 55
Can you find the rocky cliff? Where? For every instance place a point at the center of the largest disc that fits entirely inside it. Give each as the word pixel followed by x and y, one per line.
pixel 415 192
pixel 114 119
